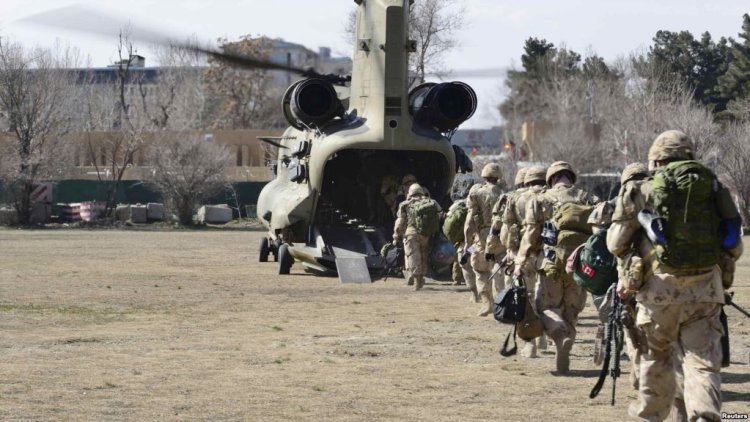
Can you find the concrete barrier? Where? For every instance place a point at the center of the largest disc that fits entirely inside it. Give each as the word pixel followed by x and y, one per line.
pixel 214 214
pixel 155 211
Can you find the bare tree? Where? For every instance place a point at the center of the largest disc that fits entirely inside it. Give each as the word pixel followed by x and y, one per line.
pixel 35 97
pixel 139 105
pixel 434 25
pixel 735 162
pixel 239 98
pixel 187 172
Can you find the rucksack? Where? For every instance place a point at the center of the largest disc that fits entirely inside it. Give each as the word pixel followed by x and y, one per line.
pixel 683 195
pixel 453 226
pixel 595 268
pixel 424 215
pixel 570 228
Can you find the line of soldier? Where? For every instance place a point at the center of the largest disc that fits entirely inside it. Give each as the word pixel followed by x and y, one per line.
pixel 676 361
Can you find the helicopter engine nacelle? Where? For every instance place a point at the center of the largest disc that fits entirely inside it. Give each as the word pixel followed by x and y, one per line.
pixel 443 106
pixel 311 102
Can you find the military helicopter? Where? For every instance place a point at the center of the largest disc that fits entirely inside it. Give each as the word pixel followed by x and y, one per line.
pixel 347 135
pixel 324 207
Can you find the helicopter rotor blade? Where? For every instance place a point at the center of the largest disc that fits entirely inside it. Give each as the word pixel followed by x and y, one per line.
pixel 272 140
pixel 83 19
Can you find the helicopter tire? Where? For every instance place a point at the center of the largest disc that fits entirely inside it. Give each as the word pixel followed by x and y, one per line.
pixel 264 249
pixel 274 247
pixel 285 260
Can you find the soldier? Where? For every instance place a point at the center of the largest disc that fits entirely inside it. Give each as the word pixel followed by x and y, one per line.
pixel 558 298
pixel 478 221
pixel 495 243
pixel 512 225
pixel 416 222
pixel 680 296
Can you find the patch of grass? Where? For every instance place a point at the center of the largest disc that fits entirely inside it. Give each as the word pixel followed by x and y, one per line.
pixel 318 388
pixel 281 360
pixel 277 328
pixel 356 302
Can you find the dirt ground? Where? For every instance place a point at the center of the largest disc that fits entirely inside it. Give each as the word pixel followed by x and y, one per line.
pixel 106 325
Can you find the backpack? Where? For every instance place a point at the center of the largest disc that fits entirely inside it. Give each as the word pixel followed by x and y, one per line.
pixel 453 227
pixel 683 195
pixel 571 229
pixel 424 215
pixel 594 267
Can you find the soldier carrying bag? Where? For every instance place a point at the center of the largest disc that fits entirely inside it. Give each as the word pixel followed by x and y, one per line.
pixel 425 216
pixel 512 306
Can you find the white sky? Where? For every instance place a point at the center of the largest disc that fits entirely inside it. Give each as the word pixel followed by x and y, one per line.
pixel 493 36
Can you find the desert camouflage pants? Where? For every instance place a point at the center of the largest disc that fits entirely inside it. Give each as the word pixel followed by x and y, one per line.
pixel 417 251
pixel 483 269
pixel 558 303
pixel 691 331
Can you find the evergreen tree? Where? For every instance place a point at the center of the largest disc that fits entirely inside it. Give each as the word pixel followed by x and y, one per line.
pixel 735 83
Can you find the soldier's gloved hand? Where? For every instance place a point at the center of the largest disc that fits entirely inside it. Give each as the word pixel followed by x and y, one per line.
pixel 517 272
pixel 489 256
pixel 396 242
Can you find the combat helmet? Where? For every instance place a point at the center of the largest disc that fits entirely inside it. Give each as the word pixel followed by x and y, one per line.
pixel 670 145
pixel 535 174
pixel 415 190
pixel 633 171
pixel 492 170
pixel 520 174
pixel 557 167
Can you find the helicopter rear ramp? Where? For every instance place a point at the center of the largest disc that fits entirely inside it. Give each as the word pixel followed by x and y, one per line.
pixel 351 251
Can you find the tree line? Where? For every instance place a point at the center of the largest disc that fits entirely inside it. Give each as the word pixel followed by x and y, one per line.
pixel 601 116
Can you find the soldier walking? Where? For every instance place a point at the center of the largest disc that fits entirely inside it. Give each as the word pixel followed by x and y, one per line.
pixel 480 201
pixel 417 221
pixel 558 298
pixel 512 225
pixel 680 290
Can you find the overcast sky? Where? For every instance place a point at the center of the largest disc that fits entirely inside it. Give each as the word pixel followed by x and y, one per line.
pixel 493 37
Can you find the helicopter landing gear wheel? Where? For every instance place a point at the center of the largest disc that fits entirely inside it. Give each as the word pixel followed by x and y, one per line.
pixel 264 249
pixel 285 259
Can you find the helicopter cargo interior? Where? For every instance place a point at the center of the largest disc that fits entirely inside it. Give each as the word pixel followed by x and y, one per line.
pixel 353 216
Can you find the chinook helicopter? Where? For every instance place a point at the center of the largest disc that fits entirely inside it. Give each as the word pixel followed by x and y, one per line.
pixel 347 135
pixel 324 207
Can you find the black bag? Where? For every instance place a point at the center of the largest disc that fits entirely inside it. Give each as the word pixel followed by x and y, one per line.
pixel 509 307
pixel 510 304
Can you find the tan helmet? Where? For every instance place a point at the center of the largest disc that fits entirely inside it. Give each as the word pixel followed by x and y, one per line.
pixel 520 174
pixel 633 171
pixel 408 179
pixel 492 170
pixel 670 145
pixel 557 167
pixel 415 190
pixel 535 174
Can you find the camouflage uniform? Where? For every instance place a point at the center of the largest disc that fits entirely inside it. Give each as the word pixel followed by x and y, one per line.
pixel 678 310
pixel 416 246
pixel 495 242
pixel 478 221
pixel 462 272
pixel 558 299
pixel 512 223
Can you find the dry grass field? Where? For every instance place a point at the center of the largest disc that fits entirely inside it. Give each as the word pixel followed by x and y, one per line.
pixel 106 325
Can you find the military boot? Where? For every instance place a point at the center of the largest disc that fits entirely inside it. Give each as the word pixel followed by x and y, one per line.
pixel 562 358
pixel 529 350
pixel 486 308
pixel 475 294
pixel 542 342
pixel 419 284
